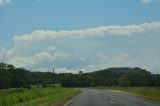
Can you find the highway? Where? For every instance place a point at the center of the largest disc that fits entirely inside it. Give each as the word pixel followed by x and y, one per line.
pixel 94 97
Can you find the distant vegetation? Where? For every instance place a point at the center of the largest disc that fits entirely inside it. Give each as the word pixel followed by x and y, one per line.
pixel 124 77
pixel 11 77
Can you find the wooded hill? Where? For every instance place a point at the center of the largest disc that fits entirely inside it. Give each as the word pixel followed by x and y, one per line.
pixel 12 77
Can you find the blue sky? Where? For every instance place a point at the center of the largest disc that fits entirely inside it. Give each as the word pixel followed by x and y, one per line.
pixel 117 32
pixel 24 16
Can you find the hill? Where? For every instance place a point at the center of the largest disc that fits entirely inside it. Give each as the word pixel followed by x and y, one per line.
pixel 120 76
pixel 12 77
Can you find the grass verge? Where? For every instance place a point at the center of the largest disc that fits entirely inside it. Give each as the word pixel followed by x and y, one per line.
pixel 48 96
pixel 152 93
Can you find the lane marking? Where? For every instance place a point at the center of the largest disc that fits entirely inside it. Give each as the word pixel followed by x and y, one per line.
pixel 105 97
pixel 102 95
pixel 69 102
pixel 113 102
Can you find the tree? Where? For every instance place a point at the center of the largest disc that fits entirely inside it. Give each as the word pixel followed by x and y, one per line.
pixel 123 81
pixel 11 76
pixel 157 80
pixel 10 67
pixel 80 72
pixel 4 82
pixel 3 66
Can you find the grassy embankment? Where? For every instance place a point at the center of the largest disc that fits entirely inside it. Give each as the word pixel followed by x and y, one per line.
pixel 48 96
pixel 152 93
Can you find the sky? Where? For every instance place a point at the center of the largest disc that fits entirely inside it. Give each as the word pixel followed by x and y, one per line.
pixel 74 35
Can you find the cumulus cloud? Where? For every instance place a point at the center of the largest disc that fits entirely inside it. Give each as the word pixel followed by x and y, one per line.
pixel 49 55
pixel 83 59
pixel 2 2
pixel 130 30
pixel 116 60
pixel 6 54
pixel 65 70
pixel 87 50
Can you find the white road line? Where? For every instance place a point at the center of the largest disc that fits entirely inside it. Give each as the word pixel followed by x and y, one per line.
pixel 72 100
pixel 102 95
pixel 112 102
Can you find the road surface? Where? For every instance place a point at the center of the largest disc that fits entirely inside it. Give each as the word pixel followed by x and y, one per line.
pixel 93 97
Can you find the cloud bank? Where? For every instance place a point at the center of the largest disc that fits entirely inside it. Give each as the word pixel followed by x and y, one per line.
pixel 88 49
pixel 93 32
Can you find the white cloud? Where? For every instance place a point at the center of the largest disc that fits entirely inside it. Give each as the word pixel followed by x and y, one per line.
pixel 83 59
pixel 2 2
pixel 51 54
pixel 129 30
pixel 116 60
pixel 88 49
pixel 64 70
pixel 6 54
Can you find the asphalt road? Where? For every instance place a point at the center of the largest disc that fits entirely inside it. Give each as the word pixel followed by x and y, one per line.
pixel 92 97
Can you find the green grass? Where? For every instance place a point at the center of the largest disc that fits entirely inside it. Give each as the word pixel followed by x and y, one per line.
pixel 48 96
pixel 152 93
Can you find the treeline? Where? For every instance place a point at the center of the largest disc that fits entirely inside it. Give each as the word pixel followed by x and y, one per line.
pixel 125 76
pixel 11 76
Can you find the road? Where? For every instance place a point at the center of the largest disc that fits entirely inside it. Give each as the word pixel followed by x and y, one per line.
pixel 93 97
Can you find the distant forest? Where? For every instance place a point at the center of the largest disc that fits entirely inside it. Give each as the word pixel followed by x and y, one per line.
pixel 12 77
